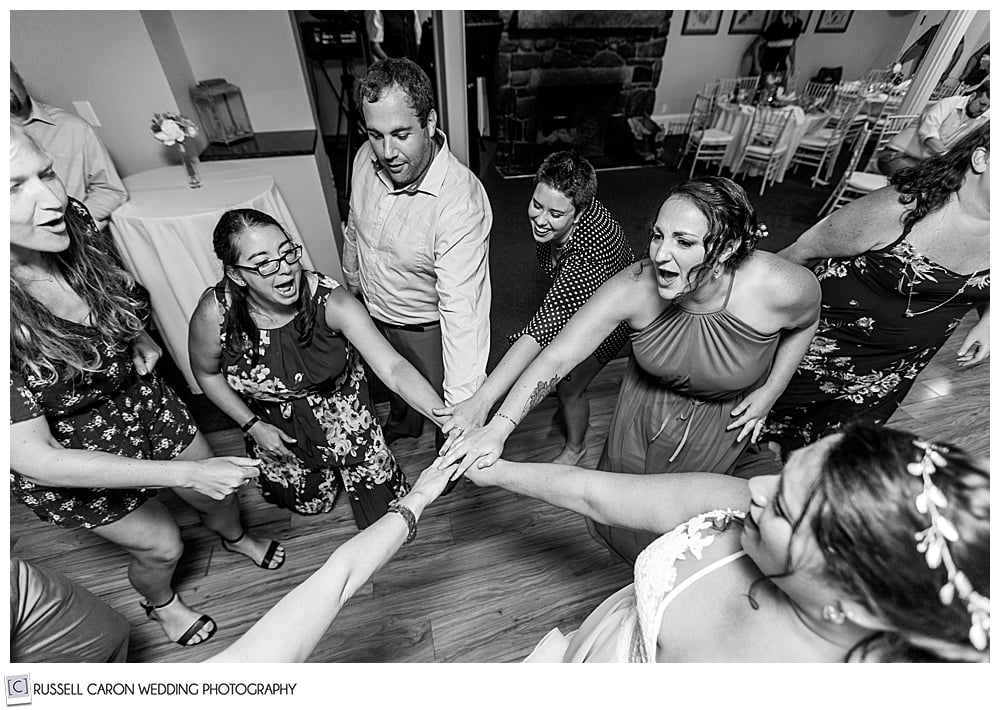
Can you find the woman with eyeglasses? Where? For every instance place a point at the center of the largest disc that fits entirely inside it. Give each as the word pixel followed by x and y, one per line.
pixel 278 348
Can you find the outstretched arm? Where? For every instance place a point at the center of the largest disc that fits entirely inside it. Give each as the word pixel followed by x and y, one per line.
pixel 291 629
pixel 870 222
pixel 344 313
pixel 612 303
pixel 656 503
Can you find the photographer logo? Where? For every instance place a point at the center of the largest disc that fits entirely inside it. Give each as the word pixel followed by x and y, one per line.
pixel 18 689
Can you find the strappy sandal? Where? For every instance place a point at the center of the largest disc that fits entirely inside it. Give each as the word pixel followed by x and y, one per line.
pixel 193 629
pixel 268 556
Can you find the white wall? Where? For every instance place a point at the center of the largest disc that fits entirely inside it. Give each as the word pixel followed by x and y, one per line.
pixel 873 39
pixel 106 58
pixel 257 52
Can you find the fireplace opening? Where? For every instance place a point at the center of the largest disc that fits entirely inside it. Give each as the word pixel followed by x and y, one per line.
pixel 586 118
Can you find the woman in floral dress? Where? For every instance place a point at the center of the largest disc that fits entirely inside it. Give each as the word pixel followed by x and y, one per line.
pixel 273 346
pixel 94 430
pixel 902 266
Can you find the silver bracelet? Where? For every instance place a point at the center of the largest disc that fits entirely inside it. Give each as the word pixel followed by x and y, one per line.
pixel 408 516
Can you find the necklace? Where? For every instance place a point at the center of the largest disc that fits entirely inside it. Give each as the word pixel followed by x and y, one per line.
pixel 913 256
pixel 909 312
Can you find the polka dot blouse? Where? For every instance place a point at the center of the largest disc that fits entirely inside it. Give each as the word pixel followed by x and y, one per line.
pixel 597 250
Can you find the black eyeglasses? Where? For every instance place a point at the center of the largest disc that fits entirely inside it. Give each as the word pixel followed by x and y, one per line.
pixel 271 266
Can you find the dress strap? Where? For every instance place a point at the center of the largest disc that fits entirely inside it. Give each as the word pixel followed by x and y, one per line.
pixel 704 571
pixel 672 594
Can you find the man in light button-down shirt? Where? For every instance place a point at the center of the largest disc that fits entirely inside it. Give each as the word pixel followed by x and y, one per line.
pixel 79 158
pixel 417 240
pixel 941 125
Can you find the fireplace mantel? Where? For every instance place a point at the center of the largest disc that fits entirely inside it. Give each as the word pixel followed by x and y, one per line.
pixel 570 20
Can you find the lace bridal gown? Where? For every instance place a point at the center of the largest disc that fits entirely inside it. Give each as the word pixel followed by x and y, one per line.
pixel 624 628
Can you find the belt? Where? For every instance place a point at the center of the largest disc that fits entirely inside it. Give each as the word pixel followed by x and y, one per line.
pixel 412 327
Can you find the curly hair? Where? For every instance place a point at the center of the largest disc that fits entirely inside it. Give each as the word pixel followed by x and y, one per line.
pixel 929 185
pixel 48 348
pixel 241 333
pixel 402 74
pixel 732 222
pixel 571 174
pixel 862 512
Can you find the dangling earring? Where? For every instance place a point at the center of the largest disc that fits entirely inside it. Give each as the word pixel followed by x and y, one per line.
pixel 834 614
pixel 716 272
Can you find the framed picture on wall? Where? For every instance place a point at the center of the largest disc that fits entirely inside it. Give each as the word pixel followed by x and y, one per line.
pixel 802 15
pixel 833 20
pixel 701 22
pixel 747 22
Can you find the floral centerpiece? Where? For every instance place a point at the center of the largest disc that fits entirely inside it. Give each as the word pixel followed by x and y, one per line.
pixel 173 129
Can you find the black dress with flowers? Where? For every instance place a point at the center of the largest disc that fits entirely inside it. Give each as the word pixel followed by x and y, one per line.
pixel 885 314
pixel 316 393
pixel 114 410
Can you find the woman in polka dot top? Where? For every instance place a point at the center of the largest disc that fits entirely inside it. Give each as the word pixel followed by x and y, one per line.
pixel 580 246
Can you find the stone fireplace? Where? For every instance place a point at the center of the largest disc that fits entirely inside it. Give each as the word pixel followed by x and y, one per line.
pixel 573 78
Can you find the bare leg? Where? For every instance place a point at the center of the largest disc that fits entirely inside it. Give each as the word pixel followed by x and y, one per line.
pixel 151 536
pixel 223 516
pixel 572 393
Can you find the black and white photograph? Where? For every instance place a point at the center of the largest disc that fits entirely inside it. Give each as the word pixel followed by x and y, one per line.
pixel 495 336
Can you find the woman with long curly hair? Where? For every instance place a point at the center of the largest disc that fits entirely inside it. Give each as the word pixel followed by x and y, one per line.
pixel 279 349
pixel 901 268
pixel 94 429
pixel 871 545
pixel 718 327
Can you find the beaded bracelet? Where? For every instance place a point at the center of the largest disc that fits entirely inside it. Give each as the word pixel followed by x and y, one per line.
pixel 249 425
pixel 501 414
pixel 408 516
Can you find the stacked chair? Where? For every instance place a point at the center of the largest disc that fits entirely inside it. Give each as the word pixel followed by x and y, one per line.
pixel 726 88
pixel 854 182
pixel 879 76
pixel 764 147
pixel 821 148
pixel 819 91
pixel 709 144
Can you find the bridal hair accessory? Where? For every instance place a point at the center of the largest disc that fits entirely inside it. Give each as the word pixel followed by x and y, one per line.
pixel 933 543
pixel 761 231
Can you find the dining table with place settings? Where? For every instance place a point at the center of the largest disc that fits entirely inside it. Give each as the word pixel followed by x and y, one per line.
pixel 738 118
pixel 164 235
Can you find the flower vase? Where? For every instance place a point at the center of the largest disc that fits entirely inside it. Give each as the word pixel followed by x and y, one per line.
pixel 190 160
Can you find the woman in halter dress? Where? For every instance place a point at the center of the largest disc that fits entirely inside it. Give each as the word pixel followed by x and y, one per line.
pixel 717 330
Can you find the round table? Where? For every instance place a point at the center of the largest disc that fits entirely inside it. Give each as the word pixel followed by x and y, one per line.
pixel 164 234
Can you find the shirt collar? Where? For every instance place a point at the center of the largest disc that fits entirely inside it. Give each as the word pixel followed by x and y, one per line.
pixel 434 177
pixel 39 112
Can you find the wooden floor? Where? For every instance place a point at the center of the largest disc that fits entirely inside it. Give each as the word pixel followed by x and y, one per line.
pixel 488 574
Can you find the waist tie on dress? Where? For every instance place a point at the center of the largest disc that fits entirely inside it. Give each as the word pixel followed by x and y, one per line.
pixel 685 416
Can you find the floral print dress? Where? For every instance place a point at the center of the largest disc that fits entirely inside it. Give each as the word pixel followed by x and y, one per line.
pixel 112 409
pixel 316 393
pixel 885 314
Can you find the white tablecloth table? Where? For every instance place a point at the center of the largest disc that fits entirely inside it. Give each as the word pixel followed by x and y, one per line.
pixel 737 119
pixel 164 234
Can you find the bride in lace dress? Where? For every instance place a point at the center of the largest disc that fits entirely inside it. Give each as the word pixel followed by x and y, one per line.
pixel 870 545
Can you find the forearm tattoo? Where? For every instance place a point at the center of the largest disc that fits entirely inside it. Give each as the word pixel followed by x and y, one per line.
pixel 541 390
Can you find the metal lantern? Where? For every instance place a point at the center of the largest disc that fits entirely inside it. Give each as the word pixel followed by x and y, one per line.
pixel 222 111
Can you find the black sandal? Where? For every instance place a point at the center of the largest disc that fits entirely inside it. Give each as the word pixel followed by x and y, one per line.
pixel 193 629
pixel 268 556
